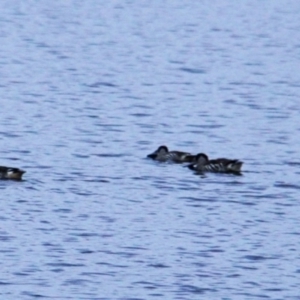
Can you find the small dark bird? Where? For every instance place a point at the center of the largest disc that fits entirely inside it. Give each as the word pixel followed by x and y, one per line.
pixel 163 154
pixel 220 165
pixel 11 173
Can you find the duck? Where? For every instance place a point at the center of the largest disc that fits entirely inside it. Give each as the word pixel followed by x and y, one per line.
pixel 11 173
pixel 220 165
pixel 163 154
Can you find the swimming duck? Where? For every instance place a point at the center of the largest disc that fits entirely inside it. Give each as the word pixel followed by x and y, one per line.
pixel 11 173
pixel 163 154
pixel 220 165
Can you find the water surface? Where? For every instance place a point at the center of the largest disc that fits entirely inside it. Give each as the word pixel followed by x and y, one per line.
pixel 88 89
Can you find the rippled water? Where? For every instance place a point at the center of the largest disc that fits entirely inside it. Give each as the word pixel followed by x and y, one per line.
pixel 88 89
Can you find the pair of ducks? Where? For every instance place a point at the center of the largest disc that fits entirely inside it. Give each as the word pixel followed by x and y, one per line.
pixel 11 173
pixel 199 163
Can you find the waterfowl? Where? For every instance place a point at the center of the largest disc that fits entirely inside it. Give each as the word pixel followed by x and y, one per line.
pixel 11 173
pixel 163 154
pixel 220 165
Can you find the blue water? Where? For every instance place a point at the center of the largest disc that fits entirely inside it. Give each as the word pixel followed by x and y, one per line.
pixel 88 89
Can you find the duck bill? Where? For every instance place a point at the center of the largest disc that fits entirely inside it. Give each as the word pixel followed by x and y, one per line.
pixel 152 155
pixel 191 166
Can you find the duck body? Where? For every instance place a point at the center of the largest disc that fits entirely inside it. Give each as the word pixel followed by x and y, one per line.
pixel 163 154
pixel 11 173
pixel 220 165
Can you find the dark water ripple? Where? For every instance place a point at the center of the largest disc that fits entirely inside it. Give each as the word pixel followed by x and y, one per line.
pixel 88 90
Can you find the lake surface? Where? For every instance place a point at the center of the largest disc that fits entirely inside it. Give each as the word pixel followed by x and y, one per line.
pixel 88 89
